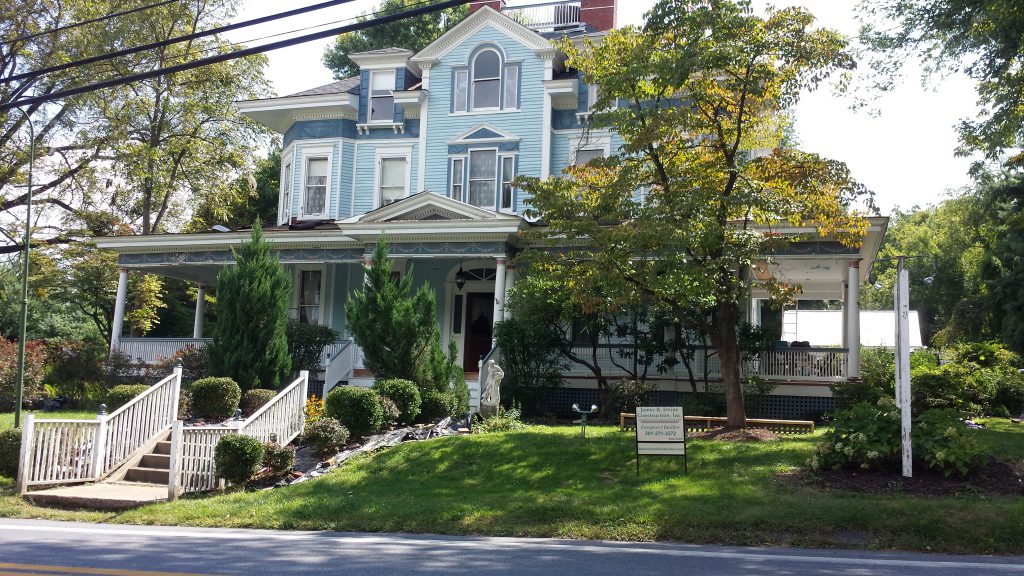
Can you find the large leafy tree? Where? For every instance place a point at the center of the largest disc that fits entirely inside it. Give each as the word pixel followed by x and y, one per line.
pixel 413 34
pixel 697 88
pixel 250 341
pixel 983 38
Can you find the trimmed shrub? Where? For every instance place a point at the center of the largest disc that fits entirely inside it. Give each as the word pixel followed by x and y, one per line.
pixel 504 421
pixel 255 399
pixel 391 412
pixel 279 459
pixel 943 443
pixel 236 458
pixel 437 404
pixel 625 395
pixel 122 394
pixel 358 409
pixel 215 397
pixel 404 394
pixel 10 448
pixel 326 436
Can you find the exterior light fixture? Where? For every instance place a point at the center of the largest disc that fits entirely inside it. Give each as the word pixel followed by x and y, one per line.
pixel 460 277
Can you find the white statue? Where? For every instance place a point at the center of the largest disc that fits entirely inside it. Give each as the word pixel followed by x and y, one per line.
pixel 492 395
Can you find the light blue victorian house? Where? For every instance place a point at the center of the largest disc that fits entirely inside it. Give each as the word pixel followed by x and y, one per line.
pixel 423 147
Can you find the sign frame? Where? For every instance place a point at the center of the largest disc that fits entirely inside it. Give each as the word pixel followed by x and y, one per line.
pixel 682 417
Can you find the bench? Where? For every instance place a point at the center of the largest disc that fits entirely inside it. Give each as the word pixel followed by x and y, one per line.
pixel 702 423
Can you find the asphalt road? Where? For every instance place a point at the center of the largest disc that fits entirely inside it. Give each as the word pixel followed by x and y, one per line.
pixel 46 548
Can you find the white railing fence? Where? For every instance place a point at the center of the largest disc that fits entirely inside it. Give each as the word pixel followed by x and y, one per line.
pixel 71 451
pixel 192 448
pixel 546 15
pixel 152 350
pixel 340 365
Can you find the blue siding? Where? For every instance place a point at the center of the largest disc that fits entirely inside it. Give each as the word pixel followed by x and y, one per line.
pixel 319 129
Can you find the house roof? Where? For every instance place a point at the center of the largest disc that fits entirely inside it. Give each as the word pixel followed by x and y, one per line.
pixel 349 85
pixel 391 50
pixel 476 21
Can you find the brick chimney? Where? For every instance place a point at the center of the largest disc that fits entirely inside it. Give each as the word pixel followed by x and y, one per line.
pixel 475 5
pixel 599 14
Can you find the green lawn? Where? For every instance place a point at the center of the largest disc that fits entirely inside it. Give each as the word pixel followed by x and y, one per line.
pixel 547 482
pixel 7 418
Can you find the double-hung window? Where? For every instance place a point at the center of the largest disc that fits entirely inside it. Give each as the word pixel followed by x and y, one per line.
pixel 508 174
pixel 392 179
pixel 483 172
pixel 458 188
pixel 382 97
pixel 317 173
pixel 461 91
pixel 309 296
pixel 286 194
pixel 584 155
pixel 487 81
pixel 511 91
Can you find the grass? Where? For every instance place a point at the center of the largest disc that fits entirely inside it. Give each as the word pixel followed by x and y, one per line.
pixel 545 481
pixel 7 418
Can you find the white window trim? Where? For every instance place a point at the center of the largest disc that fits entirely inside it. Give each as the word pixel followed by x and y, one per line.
pixel 369 98
pixel 297 283
pixel 465 175
pixel 314 153
pixel 284 209
pixel 391 152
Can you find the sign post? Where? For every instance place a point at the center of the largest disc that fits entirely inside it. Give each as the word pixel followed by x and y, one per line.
pixel 660 431
pixel 902 309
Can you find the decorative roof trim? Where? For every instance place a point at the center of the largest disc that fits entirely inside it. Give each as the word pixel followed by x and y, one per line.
pixel 476 21
pixel 503 136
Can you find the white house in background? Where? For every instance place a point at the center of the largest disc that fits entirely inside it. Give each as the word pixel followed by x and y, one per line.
pixel 423 147
pixel 825 327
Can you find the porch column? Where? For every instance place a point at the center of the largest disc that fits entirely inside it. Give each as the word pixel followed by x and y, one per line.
pixel 853 320
pixel 119 302
pixel 499 291
pixel 510 281
pixel 197 326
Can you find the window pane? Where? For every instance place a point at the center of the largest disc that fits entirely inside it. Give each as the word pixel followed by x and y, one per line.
pixel 382 108
pixel 486 65
pixel 481 193
pixel 457 178
pixel 511 87
pixel 309 297
pixel 392 179
pixel 485 93
pixel 482 165
pixel 507 175
pixel 316 185
pixel 380 81
pixel 586 155
pixel 461 90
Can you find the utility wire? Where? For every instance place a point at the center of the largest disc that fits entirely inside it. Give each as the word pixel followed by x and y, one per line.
pixel 234 55
pixel 169 41
pixel 110 16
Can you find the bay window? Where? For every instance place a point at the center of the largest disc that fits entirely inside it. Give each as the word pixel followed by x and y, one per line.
pixel 315 201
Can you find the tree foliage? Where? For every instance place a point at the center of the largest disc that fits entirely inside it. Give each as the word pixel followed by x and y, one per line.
pixel 393 326
pixel 697 88
pixel 413 34
pixel 250 344
pixel 983 38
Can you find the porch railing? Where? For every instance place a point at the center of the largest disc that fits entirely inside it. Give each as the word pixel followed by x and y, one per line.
pixel 787 364
pixel 340 364
pixel 547 16
pixel 129 427
pixel 152 350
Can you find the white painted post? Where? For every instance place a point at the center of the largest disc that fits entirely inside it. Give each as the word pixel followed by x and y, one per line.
pixel 197 324
pixel 118 323
pixel 99 446
pixel 177 392
pixel 25 455
pixel 510 282
pixel 902 309
pixel 853 321
pixel 304 374
pixel 499 294
pixel 174 465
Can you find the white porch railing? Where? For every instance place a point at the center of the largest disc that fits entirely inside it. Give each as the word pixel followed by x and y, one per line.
pixel 787 364
pixel 70 451
pixel 153 350
pixel 192 448
pixel 340 364
pixel 546 16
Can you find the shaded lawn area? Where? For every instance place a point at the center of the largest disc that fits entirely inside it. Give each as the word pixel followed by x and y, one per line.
pixel 547 482
pixel 7 418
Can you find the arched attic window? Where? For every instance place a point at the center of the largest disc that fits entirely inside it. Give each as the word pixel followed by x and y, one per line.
pixel 486 80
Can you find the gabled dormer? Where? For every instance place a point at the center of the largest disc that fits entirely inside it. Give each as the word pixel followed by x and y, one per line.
pixel 389 89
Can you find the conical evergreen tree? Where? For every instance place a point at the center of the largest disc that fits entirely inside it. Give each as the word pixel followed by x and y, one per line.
pixel 250 344
pixel 393 326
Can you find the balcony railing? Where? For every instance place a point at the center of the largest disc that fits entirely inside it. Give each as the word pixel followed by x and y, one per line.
pixel 786 364
pixel 547 16
pixel 153 350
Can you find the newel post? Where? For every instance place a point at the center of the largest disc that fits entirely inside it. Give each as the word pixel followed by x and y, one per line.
pixel 177 392
pixel 174 463
pixel 25 455
pixel 304 374
pixel 99 443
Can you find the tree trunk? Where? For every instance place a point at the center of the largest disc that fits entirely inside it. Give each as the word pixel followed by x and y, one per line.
pixel 725 339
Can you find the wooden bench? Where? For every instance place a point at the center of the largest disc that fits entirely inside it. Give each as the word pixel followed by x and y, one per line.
pixel 702 423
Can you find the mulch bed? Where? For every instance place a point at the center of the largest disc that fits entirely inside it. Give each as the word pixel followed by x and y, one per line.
pixel 997 478
pixel 742 435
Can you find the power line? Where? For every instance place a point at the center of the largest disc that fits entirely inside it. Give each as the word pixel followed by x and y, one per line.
pixel 110 16
pixel 169 41
pixel 234 55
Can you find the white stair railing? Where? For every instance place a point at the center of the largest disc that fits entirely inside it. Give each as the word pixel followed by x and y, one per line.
pixel 340 365
pixel 73 451
pixel 281 419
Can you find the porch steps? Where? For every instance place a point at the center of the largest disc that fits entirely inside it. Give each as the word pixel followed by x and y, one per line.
pixel 154 467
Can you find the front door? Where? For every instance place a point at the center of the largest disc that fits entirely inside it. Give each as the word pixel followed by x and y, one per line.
pixel 479 320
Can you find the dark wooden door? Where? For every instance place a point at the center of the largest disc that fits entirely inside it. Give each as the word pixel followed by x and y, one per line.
pixel 479 321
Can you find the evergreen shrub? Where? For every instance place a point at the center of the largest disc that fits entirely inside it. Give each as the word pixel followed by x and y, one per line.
pixel 215 397
pixel 237 457
pixel 255 399
pixel 404 394
pixel 326 435
pixel 358 409
pixel 122 394
pixel 10 451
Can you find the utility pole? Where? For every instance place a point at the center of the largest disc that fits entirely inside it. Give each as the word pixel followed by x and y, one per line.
pixel 23 320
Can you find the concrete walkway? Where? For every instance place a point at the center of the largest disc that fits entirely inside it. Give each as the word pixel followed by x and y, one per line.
pixel 102 496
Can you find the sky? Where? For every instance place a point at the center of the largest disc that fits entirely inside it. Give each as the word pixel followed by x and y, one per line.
pixel 904 151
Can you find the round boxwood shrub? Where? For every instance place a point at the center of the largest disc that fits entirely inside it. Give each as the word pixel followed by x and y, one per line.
pixel 358 409
pixel 325 435
pixel 391 412
pixel 236 458
pixel 279 459
pixel 215 397
pixel 254 399
pixel 122 394
pixel 10 448
pixel 438 404
pixel 404 394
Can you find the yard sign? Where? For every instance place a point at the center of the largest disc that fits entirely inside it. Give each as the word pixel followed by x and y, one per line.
pixel 660 431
